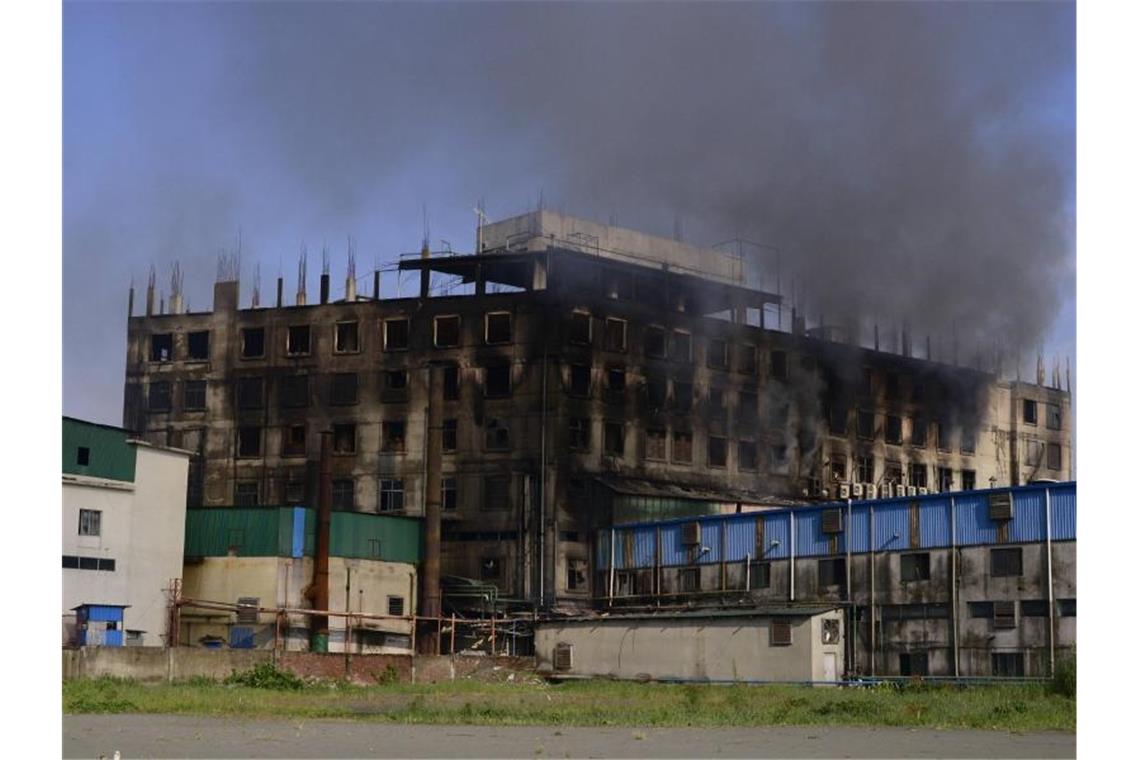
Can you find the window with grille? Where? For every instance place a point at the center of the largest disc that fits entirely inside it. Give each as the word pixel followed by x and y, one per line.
pixel 746 455
pixel 915 567
pixel 391 495
pixel 615 334
pixel 451 383
pixel 198 345
pixel 690 579
pixel 450 435
pixel 449 496
pixel 393 435
pixel 1005 563
pixel 253 342
pixel 579 433
pixel 682 447
pixel 247 494
pixel 1007 664
pixel 249 441
pixel 347 338
pixel 90 522
pixel 158 398
pixel 250 392
pixel 344 494
pixel 194 395
pixel 344 438
pixel 396 606
pixel 162 347
pixel 497 328
pixel 780 633
pixel 297 340
pixel 580 328
pixel 295 492
pixel 447 331
pixel 344 387
pixel 396 334
pixel 294 391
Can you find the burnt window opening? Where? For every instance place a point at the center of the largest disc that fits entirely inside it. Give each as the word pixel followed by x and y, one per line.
pixel 747 354
pixel 393 435
pixel 396 334
pixel 839 467
pixel 569 535
pixel 1067 607
pixel 395 385
pixel 498 384
pixel 914 664
pixel 682 447
pixel 579 433
pixel 865 424
pixel 253 342
pixel 746 455
pixel 490 568
pixel 580 328
pixel 1029 411
pixel 396 606
pixel 829 631
pixel 496 493
pixel 969 480
pixel 945 479
pixel 761 574
pixel 832 572
pixel 618 285
pixel 655 342
pixel 718 451
pixel 690 579
pixel 1034 453
pixel 347 338
pixel 917 392
pixel 867 387
pixel 969 442
pixel 916 475
pixel 749 408
pixel 1034 608
pixel 716 402
pixel 579 380
pixel 246 494
pixel 893 472
pixel 391 495
pixel 498 328
pixel 1006 562
pixel 83 456
pixel 779 365
pixel 451 383
pixel 449 494
pixel 980 610
pixel 161 347
pixel 498 435
pixel 615 380
pixel 864 469
pixel 344 494
pixel 447 331
pixel 293 442
pixel 614 439
pixel 682 346
pixel 615 330
pixel 298 341
pixel 780 633
pixel 778 460
pixel 837 419
pixel 450 435
pixel 891 389
pixel 294 391
pixel 655 392
pixel 894 431
pixel 158 396
pixel 576 574
pixel 1053 416
pixel 1054 453
pixel 682 396
pixel 1007 664
pixel 915 567
pixel 250 392
pixel 717 354
pixel 344 389
pixel 655 444
pixel 295 492
pixel 194 395
pixel 943 441
pixel 918 432
pixel 249 441
pixel 198 345
pixel 344 438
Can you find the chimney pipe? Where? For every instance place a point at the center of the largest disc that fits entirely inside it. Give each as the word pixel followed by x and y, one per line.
pixel 319 630
pixel 324 288
pixel 131 302
pixel 280 292
pixel 376 285
pixel 150 300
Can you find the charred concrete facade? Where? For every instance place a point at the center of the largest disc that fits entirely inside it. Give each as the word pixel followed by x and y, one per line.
pixel 580 386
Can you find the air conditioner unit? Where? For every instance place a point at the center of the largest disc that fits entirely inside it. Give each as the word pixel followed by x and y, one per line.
pixel 844 491
pixel 831 521
pixel 563 656
pixel 911 491
pixel 691 534
pixel 868 490
pixel 923 490
pixel 1001 506
pixel 857 490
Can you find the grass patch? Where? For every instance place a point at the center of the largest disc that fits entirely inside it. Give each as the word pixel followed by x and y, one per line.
pixel 1016 707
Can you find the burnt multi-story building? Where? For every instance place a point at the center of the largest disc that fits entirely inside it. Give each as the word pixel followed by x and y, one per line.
pixel 566 376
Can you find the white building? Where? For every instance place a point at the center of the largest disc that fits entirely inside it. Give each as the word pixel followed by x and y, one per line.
pixel 124 520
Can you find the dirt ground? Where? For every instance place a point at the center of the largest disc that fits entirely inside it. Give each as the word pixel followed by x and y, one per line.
pixel 135 736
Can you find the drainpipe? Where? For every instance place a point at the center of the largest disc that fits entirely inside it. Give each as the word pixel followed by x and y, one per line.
pixel 954 578
pixel 792 561
pixel 850 601
pixel 319 624
pixel 1049 574
pixel 871 507
pixel 612 541
pixel 748 571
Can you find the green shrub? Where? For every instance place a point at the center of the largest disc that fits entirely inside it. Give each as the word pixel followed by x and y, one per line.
pixel 265 675
pixel 1065 676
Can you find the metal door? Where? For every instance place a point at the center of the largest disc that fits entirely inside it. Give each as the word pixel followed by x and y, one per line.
pixel 829 666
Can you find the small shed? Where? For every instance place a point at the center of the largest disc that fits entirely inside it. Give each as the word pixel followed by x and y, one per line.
pixel 99 625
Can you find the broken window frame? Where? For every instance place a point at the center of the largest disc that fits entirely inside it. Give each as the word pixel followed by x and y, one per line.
pixel 656 335
pixel 1053 416
pixel 83 456
pixel 194 351
pixel 446 320
pixel 344 442
pixel 579 433
pixel 656 392
pixel 716 354
pixel 615 332
pixel 158 397
pixel 747 456
pixel 580 380
pixel 161 347
pixel 497 317
pixel 865 424
pixel 1007 664
pixel 346 337
pixel 393 436
pixel 778 364
pixel 918 432
pixel 247 437
pixel 253 343
pixel 717 451
pixel 893 430
pixel 914 566
pixel 682 396
pixel 837 420
pixel 579 320
pixel 864 468
pixel 1053 456
pixel 681 346
pixel 497 372
pixel 192 391
pixel 497 434
pixel 779 459
pixel 613 438
pixel 831 572
pixel 295 345
pixel 577 574
pixel 393 341
pixel 945 479
pixel 968 442
pixel 916 474
pixel 914 664
pixel 969 480
pixel 1029 411
pixel 682 449
pixel 291 446
pixel 657 444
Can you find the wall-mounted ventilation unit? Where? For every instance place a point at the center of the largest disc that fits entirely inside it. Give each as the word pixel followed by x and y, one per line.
pixel 832 521
pixel 1004 615
pixel 247 609
pixel 563 656
pixel 691 534
pixel 781 633
pixel 1001 506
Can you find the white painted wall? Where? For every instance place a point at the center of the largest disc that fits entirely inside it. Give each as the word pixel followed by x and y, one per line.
pixel 142 528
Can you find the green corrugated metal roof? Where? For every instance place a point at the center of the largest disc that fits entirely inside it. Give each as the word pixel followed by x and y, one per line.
pixel 109 454
pixel 268 532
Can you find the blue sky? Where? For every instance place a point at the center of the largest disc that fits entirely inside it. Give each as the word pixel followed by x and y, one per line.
pixel 921 149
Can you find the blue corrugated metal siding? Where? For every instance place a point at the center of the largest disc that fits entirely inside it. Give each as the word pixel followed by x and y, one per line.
pixel 1028 517
pixel 644 546
pixel 974 523
pixel 603 559
pixel 672 551
pixel 740 540
pixel 810 539
pixel 1063 508
pixel 892 526
pixel 859 531
pixel 776 527
pixel 298 537
pixel 934 523
pixel 710 538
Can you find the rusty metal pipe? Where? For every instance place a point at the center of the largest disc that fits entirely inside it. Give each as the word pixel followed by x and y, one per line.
pixel 319 625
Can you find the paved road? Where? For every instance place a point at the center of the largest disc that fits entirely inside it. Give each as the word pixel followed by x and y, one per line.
pixel 136 736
